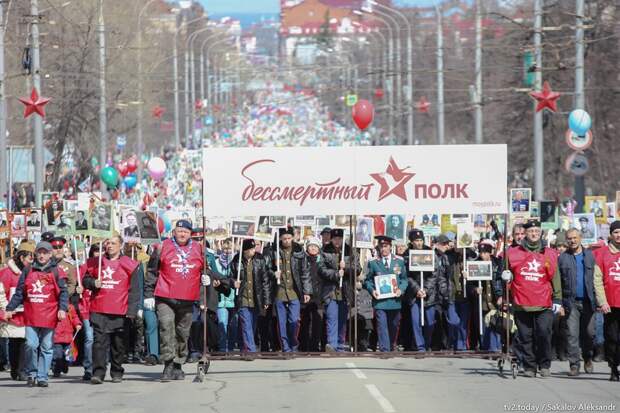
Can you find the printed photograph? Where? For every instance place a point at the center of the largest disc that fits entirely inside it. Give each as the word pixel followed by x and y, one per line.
pixel 586 224
pixel 596 205
pixel 386 285
pixel 421 260
pixel 465 235
pixel 129 226
pixel 147 225
pixel 33 221
pixel 364 232
pixel 520 199
pixel 395 227
pixel 243 228
pixel 479 271
pixel 278 221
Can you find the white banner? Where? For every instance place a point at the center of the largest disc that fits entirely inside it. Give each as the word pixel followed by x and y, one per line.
pixel 361 180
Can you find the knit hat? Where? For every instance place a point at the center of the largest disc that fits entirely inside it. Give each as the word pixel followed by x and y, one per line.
pixel 313 241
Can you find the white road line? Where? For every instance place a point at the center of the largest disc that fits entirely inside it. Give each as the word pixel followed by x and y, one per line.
pixel 383 402
pixel 358 373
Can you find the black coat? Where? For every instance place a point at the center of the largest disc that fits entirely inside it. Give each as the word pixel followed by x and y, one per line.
pixel 328 272
pixel 435 283
pixel 302 283
pixel 262 276
pixel 568 273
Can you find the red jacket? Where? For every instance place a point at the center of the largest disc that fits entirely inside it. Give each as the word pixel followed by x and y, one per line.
pixel 609 263
pixel 63 334
pixel 9 278
pixel 533 274
pixel 84 303
pixel 179 279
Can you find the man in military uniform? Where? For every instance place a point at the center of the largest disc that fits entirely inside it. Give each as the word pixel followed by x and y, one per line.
pixel 67 265
pixel 387 310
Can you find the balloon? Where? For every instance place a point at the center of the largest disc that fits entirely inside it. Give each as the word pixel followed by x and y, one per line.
pixel 130 181
pixel 109 176
pixel 122 168
pixel 160 225
pixel 157 168
pixel 132 165
pixel 167 222
pixel 363 113
pixel 147 199
pixel 94 162
pixel 579 121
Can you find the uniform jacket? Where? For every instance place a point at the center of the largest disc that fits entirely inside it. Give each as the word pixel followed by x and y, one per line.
pixel 302 284
pixel 377 267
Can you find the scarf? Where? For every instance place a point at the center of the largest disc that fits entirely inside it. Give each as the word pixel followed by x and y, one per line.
pixel 183 256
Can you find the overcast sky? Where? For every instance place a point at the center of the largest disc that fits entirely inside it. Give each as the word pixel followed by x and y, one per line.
pixel 273 6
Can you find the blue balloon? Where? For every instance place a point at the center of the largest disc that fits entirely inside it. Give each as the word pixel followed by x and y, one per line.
pixel 167 222
pixel 130 181
pixel 579 121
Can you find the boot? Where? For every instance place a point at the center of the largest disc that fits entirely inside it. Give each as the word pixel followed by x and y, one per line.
pixel 167 374
pixel 177 372
pixel 599 353
pixel 615 376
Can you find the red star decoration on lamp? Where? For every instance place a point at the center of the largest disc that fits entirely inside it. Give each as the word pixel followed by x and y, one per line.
pixel 158 112
pixel 423 105
pixel 546 98
pixel 398 176
pixel 35 104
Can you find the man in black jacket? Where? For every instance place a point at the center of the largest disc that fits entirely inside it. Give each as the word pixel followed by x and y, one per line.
pixel 253 294
pixel 311 328
pixel 292 284
pixel 577 274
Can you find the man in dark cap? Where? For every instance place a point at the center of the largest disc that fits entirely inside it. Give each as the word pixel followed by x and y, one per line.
pixel 67 265
pixel 47 236
pixel 253 287
pixel 326 236
pixel 175 273
pixel 537 294
pixel 292 283
pixel 387 310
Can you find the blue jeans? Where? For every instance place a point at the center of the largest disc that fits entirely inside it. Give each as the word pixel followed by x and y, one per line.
pixel 599 337
pixel 388 322
pixel 458 320
pixel 491 340
pixel 336 324
pixel 151 332
pixel 89 338
pixel 248 321
pixel 288 324
pixel 227 328
pixel 424 334
pixel 38 352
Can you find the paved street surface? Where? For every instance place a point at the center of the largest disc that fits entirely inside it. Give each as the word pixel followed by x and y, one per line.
pixel 323 385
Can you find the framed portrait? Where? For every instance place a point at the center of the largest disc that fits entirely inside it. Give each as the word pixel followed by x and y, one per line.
pixel 101 220
pixel 456 219
pixel 534 209
pixel 465 235
pixel 278 221
pixel 479 271
pixel 264 232
pixel 596 205
pixel 395 227
pixel 130 231
pixel 243 228
pixel 69 205
pixel 66 223
pixel 617 204
pixel 33 220
pixel 321 222
pixel 586 224
pixel 421 260
pixel 147 226
pixel 364 232
pixel 46 198
pixel 304 220
pixel 480 223
pixel 216 228
pixel 520 199
pixel 386 285
pixel 429 223
pixel 342 221
pixel 81 221
pixel 549 214
pixel 611 212
pixel 53 209
pixel 4 224
pixel 18 226
pixel 446 224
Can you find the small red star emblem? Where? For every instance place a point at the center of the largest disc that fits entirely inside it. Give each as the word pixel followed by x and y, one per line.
pixel 398 176
pixel 158 112
pixel 423 105
pixel 546 99
pixel 35 104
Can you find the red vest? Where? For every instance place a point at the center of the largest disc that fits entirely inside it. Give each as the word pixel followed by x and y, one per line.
pixel 41 294
pixel 112 297
pixel 9 279
pixel 177 280
pixel 609 263
pixel 533 272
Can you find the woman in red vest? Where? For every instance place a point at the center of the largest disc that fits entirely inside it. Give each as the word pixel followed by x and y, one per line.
pixel 42 289
pixel 607 290
pixel 116 294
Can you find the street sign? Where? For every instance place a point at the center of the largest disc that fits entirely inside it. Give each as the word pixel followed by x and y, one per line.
pixel 577 164
pixel 351 100
pixel 121 141
pixel 578 143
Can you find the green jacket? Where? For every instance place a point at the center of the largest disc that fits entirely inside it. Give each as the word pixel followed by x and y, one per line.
pixel 376 267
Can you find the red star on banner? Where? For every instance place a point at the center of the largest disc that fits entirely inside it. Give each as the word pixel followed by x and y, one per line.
pixel 35 104
pixel 546 99
pixel 158 112
pixel 423 105
pixel 398 176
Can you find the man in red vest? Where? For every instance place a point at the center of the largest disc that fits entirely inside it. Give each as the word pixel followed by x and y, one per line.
pixel 42 289
pixel 172 285
pixel 116 294
pixel 537 294
pixel 607 290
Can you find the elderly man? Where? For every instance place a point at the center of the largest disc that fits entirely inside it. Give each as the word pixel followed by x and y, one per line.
pixel 536 289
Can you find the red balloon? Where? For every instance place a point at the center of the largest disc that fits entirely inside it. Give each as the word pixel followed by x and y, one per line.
pixel 147 199
pixel 160 225
pixel 363 113
pixel 132 165
pixel 122 168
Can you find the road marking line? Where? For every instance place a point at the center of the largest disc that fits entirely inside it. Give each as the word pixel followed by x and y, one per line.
pixel 358 373
pixel 383 402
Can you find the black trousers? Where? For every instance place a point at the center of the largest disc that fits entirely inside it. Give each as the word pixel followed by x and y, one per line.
pixel 612 337
pixel 109 339
pixel 267 327
pixel 311 328
pixel 16 355
pixel 534 330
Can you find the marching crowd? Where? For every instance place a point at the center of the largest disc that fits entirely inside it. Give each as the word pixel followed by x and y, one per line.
pixel 125 303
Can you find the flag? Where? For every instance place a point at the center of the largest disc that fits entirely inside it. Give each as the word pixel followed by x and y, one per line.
pixel 71 353
pixel 85 185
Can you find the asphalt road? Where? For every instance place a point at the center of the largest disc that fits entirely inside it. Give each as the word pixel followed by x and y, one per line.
pixel 323 385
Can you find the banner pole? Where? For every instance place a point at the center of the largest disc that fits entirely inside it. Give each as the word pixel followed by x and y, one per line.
pixel 100 257
pixel 422 299
pixel 77 264
pixel 238 267
pixel 464 273
pixel 278 256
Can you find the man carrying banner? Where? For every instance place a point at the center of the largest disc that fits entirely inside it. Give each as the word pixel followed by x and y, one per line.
pixel 607 288
pixel 387 310
pixel 114 280
pixel 173 285
pixel 537 294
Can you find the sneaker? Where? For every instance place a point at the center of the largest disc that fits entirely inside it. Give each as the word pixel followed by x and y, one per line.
pixel 167 374
pixel 588 367
pixel 150 360
pixel 96 380
pixel 87 376
pixel 177 372
pixel 529 373
pixel 574 371
pixel 31 382
pixel 117 379
pixel 544 373
pixel 42 384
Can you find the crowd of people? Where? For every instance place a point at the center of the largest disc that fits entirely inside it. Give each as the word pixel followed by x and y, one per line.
pixel 128 303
